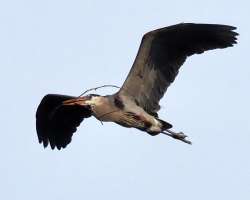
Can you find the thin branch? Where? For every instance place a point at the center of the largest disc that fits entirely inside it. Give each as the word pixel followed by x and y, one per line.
pixel 96 88
pixel 100 121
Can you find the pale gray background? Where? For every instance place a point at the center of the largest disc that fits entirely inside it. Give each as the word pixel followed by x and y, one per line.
pixel 69 46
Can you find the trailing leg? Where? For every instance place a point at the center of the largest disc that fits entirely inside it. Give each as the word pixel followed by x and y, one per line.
pixel 178 136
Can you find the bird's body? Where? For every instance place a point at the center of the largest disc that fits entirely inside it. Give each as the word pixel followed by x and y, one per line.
pixel 113 108
pixel 161 54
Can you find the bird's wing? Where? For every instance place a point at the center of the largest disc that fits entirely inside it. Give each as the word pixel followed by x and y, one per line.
pixel 161 54
pixel 56 123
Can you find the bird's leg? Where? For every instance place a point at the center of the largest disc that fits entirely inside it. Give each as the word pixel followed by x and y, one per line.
pixel 178 136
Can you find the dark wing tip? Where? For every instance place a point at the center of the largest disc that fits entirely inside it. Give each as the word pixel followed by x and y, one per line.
pixel 55 123
pixel 229 35
pixel 210 36
pixel 198 38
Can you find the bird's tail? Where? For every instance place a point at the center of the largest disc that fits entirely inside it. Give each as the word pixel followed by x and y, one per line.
pixel 165 125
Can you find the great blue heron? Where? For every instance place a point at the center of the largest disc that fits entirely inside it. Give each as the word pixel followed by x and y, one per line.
pixel 161 54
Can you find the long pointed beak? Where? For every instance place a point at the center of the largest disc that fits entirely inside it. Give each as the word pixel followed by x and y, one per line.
pixel 75 101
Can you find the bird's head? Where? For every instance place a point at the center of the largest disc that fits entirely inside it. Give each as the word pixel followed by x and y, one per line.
pixel 81 101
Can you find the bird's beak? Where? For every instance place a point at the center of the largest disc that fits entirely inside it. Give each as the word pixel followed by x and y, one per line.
pixel 81 101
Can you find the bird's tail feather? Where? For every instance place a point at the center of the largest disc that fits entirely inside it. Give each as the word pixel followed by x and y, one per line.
pixel 165 125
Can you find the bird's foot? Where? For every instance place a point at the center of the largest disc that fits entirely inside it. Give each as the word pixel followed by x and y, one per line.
pixel 178 136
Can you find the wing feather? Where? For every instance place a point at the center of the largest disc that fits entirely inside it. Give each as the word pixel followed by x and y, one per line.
pixel 161 54
pixel 56 123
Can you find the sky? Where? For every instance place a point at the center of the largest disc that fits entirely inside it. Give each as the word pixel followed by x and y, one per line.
pixel 66 47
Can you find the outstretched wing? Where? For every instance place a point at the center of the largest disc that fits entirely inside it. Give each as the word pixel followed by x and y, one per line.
pixel 161 54
pixel 56 123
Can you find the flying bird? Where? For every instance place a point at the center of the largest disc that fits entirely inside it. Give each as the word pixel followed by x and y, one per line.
pixel 161 54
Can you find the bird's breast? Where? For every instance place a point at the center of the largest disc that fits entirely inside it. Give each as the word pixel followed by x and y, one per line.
pixel 104 109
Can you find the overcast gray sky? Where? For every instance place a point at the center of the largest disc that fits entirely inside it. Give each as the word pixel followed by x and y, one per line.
pixel 68 46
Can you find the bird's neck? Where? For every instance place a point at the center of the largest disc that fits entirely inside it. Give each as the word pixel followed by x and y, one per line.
pixel 102 106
